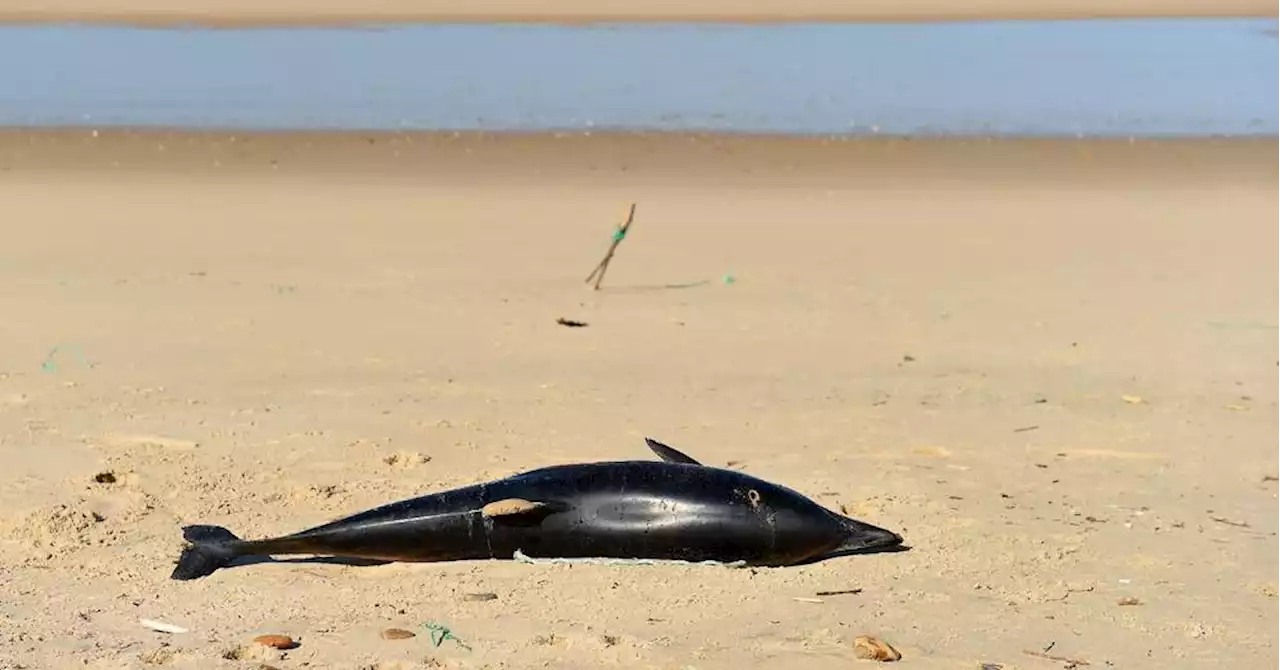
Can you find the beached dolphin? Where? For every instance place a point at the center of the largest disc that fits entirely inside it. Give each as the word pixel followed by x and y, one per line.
pixel 676 509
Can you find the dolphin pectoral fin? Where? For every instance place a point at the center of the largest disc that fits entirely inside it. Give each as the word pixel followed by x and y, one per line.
pixel 516 508
pixel 668 454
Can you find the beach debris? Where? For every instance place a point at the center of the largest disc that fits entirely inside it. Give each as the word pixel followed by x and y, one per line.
pixel 908 358
pixel 1070 662
pixel 1128 601
pixel 1235 408
pixel 1229 522
pixel 50 363
pixel 440 633
pixel 570 323
pixel 872 648
pixel 1026 429
pixel 274 641
pixel 816 601
pixel 841 592
pixel 105 478
pixel 483 597
pixel 728 279
pixel 406 459
pixel 1270 478
pixel 162 627
pixel 1133 399
pixel 991 666
pixel 397 634
pixel 619 235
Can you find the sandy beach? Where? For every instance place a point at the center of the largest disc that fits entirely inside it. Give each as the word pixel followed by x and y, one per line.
pixel 1050 365
pixel 295 12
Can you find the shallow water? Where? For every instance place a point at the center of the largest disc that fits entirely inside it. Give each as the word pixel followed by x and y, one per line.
pixel 1093 78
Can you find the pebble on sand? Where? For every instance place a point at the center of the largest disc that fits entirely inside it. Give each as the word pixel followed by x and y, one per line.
pixel 276 641
pixel 872 648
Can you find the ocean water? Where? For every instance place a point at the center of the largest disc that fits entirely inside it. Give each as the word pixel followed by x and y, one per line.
pixel 1147 78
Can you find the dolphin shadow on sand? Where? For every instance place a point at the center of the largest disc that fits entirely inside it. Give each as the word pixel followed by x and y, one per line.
pixel 672 509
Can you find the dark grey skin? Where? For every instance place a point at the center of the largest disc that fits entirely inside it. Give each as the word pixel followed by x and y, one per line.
pixel 675 509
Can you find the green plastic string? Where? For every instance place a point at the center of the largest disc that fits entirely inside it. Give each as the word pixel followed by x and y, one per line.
pixel 50 363
pixel 440 633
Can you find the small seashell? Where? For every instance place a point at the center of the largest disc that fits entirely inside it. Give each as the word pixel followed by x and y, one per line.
pixel 161 627
pixel 1128 601
pixel 276 641
pixel 397 634
pixel 874 649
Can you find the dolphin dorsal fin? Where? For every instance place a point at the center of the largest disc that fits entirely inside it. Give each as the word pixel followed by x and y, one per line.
pixel 668 454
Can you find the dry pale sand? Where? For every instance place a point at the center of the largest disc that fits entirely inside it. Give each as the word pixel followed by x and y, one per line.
pixel 1050 365
pixel 297 12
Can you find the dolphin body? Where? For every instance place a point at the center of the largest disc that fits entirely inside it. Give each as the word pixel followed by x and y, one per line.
pixel 673 509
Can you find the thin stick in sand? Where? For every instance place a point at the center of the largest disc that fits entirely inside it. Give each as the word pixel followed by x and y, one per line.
pixel 618 235
pixel 1071 662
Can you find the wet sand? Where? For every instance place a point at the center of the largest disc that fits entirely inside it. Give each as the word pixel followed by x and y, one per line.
pixel 1050 365
pixel 293 12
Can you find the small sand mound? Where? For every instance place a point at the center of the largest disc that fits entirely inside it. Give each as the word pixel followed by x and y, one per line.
pixel 87 521
pixel 53 529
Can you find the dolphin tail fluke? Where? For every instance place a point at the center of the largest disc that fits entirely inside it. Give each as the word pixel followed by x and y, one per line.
pixel 211 548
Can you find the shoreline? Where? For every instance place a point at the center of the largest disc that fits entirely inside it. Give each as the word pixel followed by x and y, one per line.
pixel 289 13
pixel 624 157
